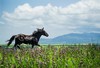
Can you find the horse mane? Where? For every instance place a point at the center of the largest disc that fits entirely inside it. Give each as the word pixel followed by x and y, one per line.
pixel 34 33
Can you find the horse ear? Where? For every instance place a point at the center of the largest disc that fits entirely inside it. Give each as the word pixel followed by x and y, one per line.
pixel 43 28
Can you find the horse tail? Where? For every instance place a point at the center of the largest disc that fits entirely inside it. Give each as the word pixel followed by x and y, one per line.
pixel 10 40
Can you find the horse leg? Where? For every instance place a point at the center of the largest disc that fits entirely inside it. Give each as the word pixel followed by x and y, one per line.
pixel 15 46
pixel 38 44
pixel 32 45
pixel 18 47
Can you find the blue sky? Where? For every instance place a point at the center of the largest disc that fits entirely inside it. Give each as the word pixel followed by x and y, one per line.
pixel 58 17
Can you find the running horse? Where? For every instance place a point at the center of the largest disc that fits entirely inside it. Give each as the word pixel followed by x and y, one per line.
pixel 32 39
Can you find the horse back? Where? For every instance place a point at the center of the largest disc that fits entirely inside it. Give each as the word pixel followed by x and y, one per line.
pixel 22 37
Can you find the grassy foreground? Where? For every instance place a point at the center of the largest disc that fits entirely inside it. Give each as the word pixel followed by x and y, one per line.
pixel 86 56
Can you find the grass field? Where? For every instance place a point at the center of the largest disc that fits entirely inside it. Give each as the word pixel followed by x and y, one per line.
pixel 49 56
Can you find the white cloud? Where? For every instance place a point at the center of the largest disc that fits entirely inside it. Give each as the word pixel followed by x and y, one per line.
pixel 69 18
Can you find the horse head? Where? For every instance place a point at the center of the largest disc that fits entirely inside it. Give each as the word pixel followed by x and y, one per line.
pixel 42 32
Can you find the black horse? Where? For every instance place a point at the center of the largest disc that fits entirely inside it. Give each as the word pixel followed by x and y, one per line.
pixel 32 39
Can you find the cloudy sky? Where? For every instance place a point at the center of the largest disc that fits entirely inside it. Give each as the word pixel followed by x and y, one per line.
pixel 58 17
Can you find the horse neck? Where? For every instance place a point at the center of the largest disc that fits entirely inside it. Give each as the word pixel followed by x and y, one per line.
pixel 37 35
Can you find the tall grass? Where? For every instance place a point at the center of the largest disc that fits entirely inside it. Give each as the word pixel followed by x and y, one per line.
pixel 86 56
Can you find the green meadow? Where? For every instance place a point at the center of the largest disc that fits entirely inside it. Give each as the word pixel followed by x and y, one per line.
pixel 51 56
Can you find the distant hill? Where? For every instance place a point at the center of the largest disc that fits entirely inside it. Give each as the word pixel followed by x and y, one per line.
pixel 73 38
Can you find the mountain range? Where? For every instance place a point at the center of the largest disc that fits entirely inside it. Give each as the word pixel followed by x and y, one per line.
pixel 73 38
